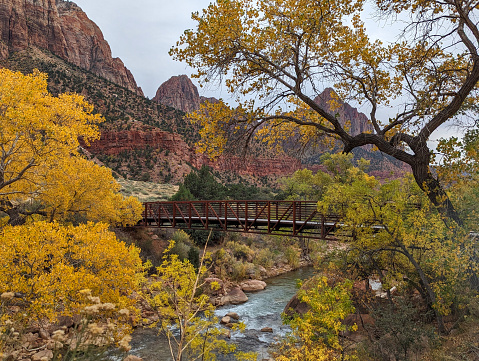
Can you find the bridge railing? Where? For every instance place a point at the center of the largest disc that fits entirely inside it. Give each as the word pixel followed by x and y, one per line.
pixel 273 217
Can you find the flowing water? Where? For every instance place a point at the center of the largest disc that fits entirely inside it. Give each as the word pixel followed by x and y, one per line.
pixel 263 309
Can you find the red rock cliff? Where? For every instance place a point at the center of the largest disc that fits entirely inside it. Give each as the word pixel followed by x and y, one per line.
pixel 358 121
pixel 112 143
pixel 178 92
pixel 64 29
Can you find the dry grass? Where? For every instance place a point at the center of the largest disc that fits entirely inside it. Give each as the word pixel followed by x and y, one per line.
pixel 147 191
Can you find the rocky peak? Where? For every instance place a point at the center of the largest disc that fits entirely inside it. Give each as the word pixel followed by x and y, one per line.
pixel 359 122
pixel 178 92
pixel 64 29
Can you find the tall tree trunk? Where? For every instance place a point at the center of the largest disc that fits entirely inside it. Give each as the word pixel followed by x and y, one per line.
pixel 435 192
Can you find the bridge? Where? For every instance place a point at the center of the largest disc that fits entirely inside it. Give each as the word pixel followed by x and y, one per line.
pixel 288 218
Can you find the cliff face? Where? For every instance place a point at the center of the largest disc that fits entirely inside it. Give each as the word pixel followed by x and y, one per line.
pixel 358 122
pixel 115 143
pixel 64 29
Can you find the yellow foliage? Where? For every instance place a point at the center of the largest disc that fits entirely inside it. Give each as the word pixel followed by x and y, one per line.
pixel 47 265
pixel 42 171
pixel 82 189
pixel 316 334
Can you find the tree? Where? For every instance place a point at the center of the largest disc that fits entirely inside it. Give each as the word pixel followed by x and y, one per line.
pixel 304 185
pixel 41 170
pixel 203 185
pixel 396 232
pixel 278 52
pixel 187 317
pixel 46 265
pixel 316 335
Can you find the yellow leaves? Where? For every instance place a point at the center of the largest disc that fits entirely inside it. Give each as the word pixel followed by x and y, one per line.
pixel 42 168
pixel 315 335
pixel 52 266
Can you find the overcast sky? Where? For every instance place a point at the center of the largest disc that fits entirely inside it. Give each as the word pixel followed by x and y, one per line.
pixel 141 32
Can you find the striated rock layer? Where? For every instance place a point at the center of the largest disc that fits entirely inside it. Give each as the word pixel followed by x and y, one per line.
pixel 113 143
pixel 64 29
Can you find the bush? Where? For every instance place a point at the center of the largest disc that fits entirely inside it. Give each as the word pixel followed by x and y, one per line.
pixel 50 264
pixel 181 250
pixel 181 236
pixel 240 251
pixel 264 258
pixel 292 255
pixel 402 331
pixel 239 271
pixel 194 257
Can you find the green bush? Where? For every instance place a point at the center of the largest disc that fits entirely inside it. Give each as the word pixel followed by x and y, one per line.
pixel 240 251
pixel 194 257
pixel 264 257
pixel 292 256
pixel 181 236
pixel 181 250
pixel 239 271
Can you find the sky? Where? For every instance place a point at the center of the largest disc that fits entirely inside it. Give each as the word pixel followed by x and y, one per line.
pixel 141 32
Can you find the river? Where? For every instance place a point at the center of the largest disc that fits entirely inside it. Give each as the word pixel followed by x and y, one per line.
pixel 263 309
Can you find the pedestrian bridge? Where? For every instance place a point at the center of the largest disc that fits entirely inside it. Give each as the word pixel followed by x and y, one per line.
pixel 288 218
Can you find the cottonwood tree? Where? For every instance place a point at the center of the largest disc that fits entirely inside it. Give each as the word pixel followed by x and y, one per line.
pixel 41 170
pixel 277 51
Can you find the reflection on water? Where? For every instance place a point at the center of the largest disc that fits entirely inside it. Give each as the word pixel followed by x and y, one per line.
pixel 263 309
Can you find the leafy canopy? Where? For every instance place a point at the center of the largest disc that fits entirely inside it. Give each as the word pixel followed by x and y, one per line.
pixel 279 52
pixel 47 265
pixel 41 169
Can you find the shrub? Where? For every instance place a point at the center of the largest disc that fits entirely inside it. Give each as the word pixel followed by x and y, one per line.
pixel 264 257
pixel 181 250
pixel 239 271
pixel 181 236
pixel 292 255
pixel 48 264
pixel 194 257
pixel 240 251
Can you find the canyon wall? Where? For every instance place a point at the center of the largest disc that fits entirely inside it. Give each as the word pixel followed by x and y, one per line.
pixel 64 29
pixel 113 143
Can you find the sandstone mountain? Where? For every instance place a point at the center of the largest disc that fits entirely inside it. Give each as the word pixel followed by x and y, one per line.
pixel 178 92
pixel 357 122
pixel 64 29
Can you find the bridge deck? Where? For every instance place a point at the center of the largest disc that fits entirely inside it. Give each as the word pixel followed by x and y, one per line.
pixel 293 218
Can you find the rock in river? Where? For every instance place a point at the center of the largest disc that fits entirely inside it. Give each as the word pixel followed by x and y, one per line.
pixel 235 297
pixel 253 285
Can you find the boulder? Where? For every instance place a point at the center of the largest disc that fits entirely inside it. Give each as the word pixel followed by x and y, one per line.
pixel 133 358
pixel 295 306
pixel 233 315
pixel 234 297
pixel 210 290
pixel 253 285
pixel 42 355
pixel 225 320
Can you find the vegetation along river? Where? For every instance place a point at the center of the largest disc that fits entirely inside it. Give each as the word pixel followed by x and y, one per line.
pixel 263 309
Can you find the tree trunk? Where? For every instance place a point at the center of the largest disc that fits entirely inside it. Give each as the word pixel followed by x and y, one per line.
pixel 435 192
pixel 430 292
